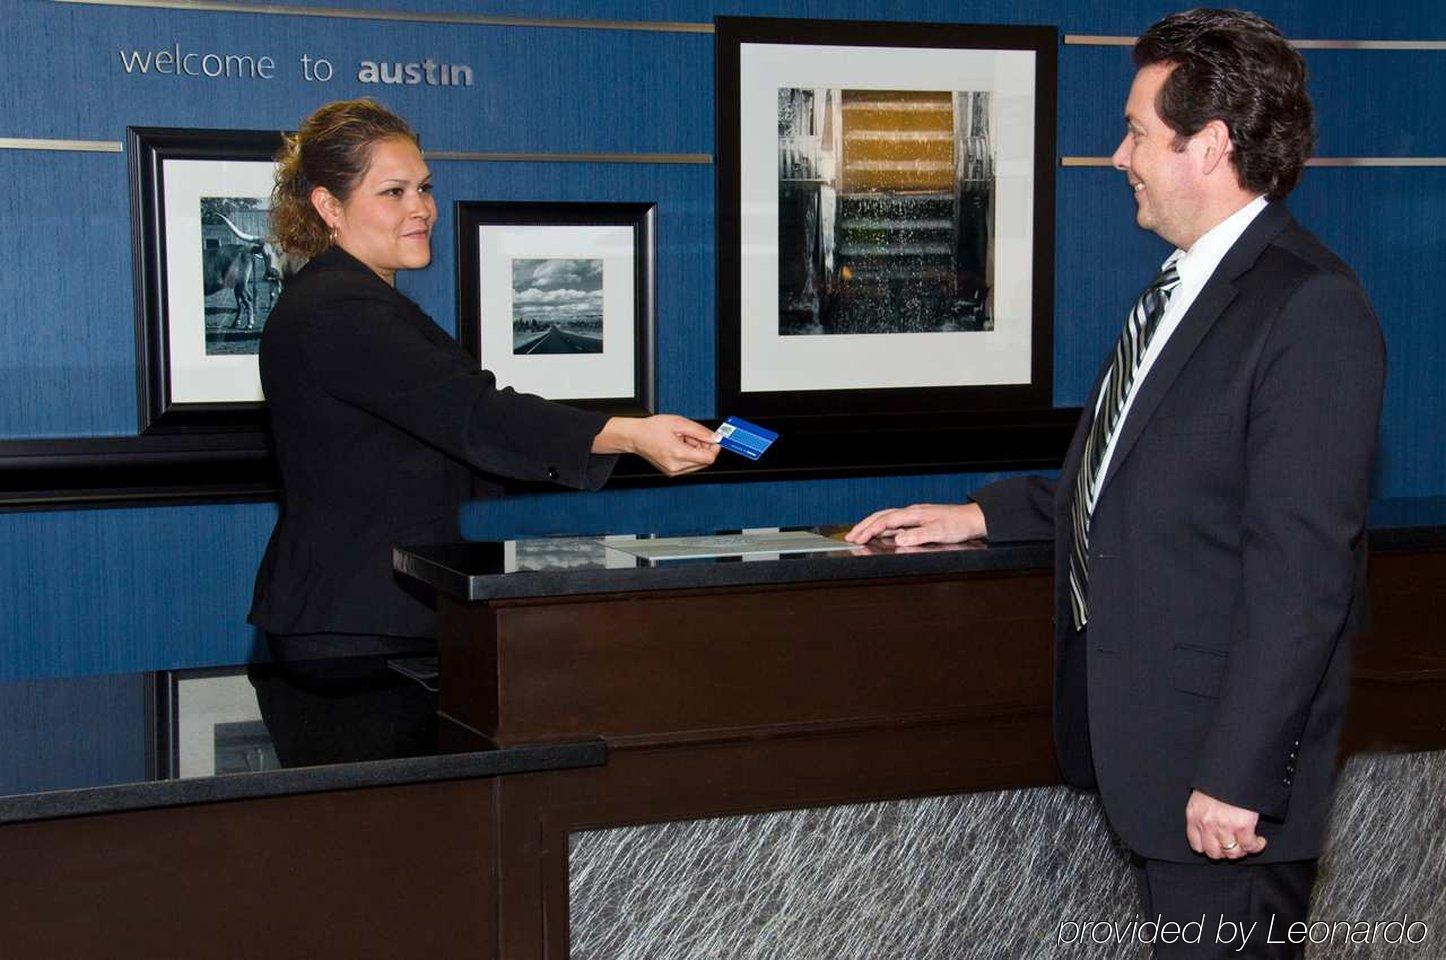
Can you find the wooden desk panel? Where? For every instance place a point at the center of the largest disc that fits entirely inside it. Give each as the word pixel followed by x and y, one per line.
pixel 1398 695
pixel 673 666
pixel 380 873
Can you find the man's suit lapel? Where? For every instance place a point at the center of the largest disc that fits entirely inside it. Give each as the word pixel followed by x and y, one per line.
pixel 1211 302
pixel 1070 467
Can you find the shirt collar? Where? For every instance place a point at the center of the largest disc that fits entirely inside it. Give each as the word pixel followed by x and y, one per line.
pixel 1199 262
pixel 336 258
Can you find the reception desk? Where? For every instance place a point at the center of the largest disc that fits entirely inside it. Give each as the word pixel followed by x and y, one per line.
pixel 730 687
pixel 837 755
pixel 363 839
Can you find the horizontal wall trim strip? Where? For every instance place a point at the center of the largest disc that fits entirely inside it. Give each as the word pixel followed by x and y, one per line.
pixel 695 158
pixel 345 13
pixel 1091 40
pixel 1376 162
pixel 654 26
pixel 1088 40
pixel 703 159
pixel 28 143
pixel 1313 162
pixel 115 146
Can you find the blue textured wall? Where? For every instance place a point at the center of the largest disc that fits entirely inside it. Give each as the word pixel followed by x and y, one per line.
pixel 115 590
pixel 66 734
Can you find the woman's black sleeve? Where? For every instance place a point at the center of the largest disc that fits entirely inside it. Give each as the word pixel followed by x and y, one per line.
pixel 373 354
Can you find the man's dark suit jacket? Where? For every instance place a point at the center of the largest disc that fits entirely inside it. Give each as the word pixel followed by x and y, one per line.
pixel 377 416
pixel 1227 554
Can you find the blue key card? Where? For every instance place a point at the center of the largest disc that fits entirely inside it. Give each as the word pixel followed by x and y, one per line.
pixel 744 438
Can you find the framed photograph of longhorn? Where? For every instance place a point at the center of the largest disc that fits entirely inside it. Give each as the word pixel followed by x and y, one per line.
pixel 885 224
pixel 206 274
pixel 556 299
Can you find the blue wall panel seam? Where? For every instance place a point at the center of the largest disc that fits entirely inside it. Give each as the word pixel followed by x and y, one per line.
pixel 1313 162
pixel 452 19
pixel 1089 40
pixel 650 26
pixel 83 146
pixel 115 146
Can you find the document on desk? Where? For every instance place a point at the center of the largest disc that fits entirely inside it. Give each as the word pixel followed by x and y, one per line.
pixel 728 545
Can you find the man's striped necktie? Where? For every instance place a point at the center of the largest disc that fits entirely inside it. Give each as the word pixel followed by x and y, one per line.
pixel 1129 352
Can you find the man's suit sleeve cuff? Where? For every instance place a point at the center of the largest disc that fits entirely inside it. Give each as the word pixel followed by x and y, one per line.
pixel 1267 796
pixel 1019 508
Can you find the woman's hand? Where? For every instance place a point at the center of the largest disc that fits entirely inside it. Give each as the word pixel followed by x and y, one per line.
pixel 673 444
pixel 922 523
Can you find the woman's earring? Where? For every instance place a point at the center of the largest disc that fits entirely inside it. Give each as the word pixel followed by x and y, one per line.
pixel 333 236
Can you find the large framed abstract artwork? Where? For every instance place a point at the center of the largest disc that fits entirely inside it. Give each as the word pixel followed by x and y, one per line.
pixel 206 274
pixel 885 229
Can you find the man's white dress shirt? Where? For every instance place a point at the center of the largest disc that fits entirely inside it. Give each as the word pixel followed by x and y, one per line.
pixel 1195 266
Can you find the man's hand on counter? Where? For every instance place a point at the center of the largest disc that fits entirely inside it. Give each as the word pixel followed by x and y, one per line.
pixel 922 523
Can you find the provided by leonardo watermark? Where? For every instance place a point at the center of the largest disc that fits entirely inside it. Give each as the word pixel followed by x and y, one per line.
pixel 1160 930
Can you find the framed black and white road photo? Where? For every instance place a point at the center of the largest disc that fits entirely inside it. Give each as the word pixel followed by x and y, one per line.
pixel 885 217
pixel 556 299
pixel 206 274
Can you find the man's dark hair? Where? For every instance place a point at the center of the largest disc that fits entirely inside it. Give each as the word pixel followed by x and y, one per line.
pixel 1235 67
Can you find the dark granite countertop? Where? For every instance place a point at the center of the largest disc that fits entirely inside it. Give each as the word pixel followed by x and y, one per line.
pixel 557 566
pixel 135 741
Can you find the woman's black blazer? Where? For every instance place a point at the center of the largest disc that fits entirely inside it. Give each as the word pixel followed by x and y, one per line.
pixel 378 416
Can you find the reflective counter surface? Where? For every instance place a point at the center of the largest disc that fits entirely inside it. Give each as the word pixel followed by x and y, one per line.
pixel 557 566
pixel 121 742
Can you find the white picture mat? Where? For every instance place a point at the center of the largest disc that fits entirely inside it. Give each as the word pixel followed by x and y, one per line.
pixel 769 361
pixel 559 376
pixel 201 704
pixel 196 377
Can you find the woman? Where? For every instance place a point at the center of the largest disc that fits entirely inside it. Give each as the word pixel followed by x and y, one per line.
pixel 377 413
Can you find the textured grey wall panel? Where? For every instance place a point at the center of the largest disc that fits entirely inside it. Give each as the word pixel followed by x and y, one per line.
pixel 987 875
pixel 1386 853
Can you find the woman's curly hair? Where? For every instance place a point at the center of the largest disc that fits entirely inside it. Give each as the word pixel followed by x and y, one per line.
pixel 332 149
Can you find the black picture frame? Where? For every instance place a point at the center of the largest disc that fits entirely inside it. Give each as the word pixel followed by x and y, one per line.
pixel 638 395
pixel 174 724
pixel 914 428
pixel 149 150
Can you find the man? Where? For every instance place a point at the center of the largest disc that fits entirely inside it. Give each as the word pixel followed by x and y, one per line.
pixel 1209 515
